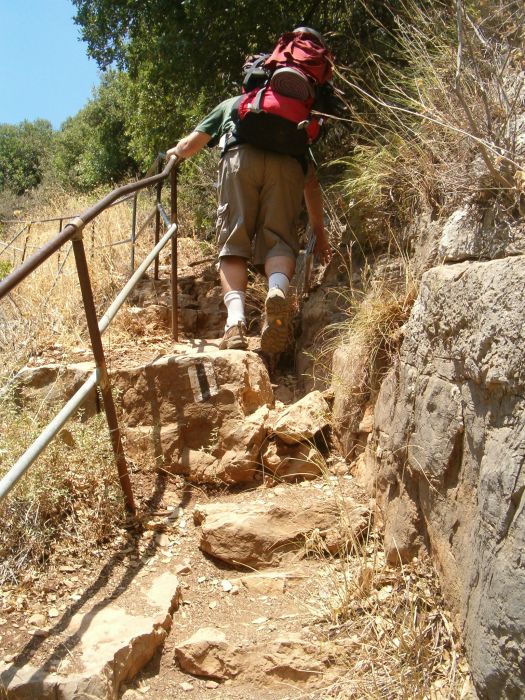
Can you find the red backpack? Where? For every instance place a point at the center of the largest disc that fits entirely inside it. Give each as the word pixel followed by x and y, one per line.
pixel 305 52
pixel 276 115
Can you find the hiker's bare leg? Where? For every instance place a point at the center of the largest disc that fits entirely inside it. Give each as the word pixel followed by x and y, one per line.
pixel 234 279
pixel 233 274
pixel 280 263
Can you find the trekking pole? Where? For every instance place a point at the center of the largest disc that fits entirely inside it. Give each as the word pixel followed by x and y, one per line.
pixel 308 263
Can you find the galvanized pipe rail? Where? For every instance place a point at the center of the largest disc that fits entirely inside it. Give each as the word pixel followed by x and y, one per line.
pixel 73 232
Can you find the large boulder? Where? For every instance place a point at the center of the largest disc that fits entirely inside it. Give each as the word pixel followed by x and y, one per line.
pixel 55 383
pixel 261 534
pixel 303 420
pixel 199 413
pixel 291 657
pixel 449 444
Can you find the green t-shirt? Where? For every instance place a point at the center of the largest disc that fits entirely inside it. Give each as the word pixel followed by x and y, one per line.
pixel 219 121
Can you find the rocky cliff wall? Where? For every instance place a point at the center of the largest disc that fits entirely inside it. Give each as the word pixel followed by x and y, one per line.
pixel 446 453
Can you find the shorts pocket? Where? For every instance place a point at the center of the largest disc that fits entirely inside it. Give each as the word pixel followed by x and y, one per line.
pixel 221 227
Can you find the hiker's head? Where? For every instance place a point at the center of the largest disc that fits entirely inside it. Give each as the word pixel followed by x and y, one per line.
pixel 311 32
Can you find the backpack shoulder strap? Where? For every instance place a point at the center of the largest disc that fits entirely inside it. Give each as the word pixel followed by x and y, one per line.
pixel 255 72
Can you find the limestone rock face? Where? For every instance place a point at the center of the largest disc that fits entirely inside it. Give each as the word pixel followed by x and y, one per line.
pixel 449 443
pixel 303 419
pixel 349 380
pixel 261 534
pixel 201 414
pixel 471 234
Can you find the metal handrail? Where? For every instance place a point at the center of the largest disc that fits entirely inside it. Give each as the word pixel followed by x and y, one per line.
pixel 73 232
pixel 76 224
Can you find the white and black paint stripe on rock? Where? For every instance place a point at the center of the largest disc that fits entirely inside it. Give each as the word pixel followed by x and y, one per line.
pixel 202 380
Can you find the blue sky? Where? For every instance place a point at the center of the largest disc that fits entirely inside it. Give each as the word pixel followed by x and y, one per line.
pixel 44 69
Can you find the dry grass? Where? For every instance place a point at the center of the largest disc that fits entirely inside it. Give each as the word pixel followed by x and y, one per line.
pixel 442 127
pixel 390 628
pixel 371 333
pixel 46 309
pixel 387 625
pixel 69 503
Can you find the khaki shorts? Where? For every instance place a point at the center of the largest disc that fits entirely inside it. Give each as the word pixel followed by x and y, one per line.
pixel 260 198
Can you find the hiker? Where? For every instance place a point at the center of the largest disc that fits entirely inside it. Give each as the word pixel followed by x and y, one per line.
pixel 260 193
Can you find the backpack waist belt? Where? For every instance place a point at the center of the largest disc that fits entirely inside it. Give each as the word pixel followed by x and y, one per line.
pixel 230 140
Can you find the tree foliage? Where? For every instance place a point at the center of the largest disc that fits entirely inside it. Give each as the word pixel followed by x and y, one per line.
pixel 92 147
pixel 24 154
pixel 183 56
pixel 166 63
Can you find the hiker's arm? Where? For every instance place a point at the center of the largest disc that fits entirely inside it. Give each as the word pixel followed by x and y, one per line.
pixel 189 145
pixel 314 206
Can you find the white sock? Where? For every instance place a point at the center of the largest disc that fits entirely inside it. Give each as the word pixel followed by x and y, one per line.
pixel 234 302
pixel 279 279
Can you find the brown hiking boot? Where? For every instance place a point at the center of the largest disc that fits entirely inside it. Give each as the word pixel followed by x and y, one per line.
pixel 274 336
pixel 234 338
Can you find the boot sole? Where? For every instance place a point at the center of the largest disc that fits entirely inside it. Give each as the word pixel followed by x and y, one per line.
pixel 274 336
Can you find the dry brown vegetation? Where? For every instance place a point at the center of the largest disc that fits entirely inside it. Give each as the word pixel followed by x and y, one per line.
pixel 46 309
pixel 443 127
pixel 69 502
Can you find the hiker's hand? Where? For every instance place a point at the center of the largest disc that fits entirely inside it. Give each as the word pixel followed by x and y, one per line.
pixel 322 248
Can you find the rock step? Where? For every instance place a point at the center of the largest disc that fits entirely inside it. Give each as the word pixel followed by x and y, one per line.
pixel 205 414
pixel 227 625
pixel 112 634
pixel 301 520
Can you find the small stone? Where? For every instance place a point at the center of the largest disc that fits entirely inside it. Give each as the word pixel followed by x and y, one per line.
pixel 162 539
pixel 211 685
pixel 37 620
pixel 186 687
pixel 212 605
pixel 201 579
pixel 227 586
pixel 9 658
pixel 259 621
pixel 182 569
pixel 53 612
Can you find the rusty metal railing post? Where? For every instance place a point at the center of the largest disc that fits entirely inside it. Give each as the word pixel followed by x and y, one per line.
pixel 174 255
pixel 157 219
pixel 133 232
pixel 26 241
pixel 100 360
pixel 59 250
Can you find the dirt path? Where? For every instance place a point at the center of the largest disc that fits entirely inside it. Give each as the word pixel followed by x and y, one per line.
pixel 152 615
